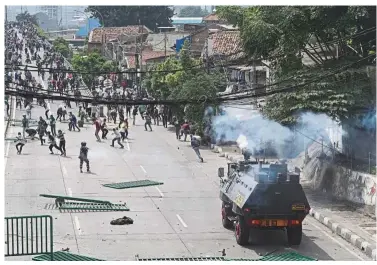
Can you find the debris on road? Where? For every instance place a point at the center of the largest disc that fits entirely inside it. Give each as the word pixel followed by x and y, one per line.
pixel 122 221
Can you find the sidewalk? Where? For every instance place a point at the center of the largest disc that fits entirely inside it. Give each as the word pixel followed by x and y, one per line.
pixel 344 220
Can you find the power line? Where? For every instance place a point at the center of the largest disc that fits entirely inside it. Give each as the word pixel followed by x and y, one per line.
pixel 166 102
pixel 289 89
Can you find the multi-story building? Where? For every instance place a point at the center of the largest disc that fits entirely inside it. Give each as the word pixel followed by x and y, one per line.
pixel 53 12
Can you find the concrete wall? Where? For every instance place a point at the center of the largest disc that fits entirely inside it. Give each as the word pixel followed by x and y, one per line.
pixel 341 183
pixel 94 46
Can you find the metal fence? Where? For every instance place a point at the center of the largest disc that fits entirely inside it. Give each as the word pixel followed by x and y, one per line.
pixel 28 235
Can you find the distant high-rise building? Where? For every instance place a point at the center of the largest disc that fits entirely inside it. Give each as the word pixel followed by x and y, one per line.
pixel 53 12
pixel 64 16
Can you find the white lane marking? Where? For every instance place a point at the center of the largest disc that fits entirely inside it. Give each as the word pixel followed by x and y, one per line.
pixel 128 145
pixel 142 168
pixel 9 133
pixel 69 192
pixel 64 171
pixel 159 191
pixel 181 220
pixel 336 241
pixel 78 225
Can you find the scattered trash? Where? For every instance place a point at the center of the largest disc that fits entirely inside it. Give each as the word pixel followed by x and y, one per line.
pixel 65 249
pixel 122 221
pixel 223 252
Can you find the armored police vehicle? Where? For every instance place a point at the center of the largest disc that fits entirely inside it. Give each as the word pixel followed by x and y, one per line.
pixel 262 196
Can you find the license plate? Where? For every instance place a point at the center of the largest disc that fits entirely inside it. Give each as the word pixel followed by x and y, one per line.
pixel 275 223
pixel 298 207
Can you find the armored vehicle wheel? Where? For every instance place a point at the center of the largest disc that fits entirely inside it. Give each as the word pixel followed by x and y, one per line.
pixel 242 231
pixel 224 217
pixel 294 235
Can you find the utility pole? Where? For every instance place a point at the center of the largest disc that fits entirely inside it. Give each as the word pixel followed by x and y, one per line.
pixel 141 54
pixel 165 39
pixel 206 55
pixel 6 14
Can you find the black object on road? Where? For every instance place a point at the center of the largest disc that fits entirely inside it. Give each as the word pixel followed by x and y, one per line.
pixel 122 221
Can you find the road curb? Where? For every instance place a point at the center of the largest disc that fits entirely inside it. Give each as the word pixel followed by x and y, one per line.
pixel 345 233
pixel 10 116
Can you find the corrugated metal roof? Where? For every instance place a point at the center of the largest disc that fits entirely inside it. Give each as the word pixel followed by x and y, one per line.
pixel 187 20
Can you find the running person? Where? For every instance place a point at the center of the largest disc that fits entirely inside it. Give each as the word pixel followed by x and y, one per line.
pixel 84 157
pixel 116 138
pixel 62 142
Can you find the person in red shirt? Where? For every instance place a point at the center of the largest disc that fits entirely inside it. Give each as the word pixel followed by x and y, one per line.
pixel 185 129
pixel 97 123
pixel 124 84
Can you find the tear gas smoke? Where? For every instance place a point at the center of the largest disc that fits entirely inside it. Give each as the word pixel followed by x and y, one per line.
pixel 261 136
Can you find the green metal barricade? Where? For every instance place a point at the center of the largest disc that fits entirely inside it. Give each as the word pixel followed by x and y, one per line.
pixel 29 235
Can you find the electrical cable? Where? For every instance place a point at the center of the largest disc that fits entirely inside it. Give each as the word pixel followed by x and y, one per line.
pixel 289 89
pixel 192 101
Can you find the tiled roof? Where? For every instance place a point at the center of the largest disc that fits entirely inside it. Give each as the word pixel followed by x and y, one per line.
pixel 114 32
pixel 147 55
pixel 228 43
pixel 211 17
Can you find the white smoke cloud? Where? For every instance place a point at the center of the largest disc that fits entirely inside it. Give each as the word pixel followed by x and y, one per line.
pixel 253 131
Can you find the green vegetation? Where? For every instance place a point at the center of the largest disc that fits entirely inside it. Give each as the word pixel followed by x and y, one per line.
pixel 26 17
pixel 191 83
pixel 62 46
pixel 91 63
pixel 193 11
pixel 120 16
pixel 284 34
pixel 41 32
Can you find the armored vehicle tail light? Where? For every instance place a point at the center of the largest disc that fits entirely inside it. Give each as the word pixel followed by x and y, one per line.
pixel 254 222
pixel 294 222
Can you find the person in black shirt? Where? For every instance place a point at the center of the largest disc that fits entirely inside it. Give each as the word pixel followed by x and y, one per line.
pixel 104 129
pixel 84 157
pixel 31 133
pixel 62 142
pixel 52 140
pixel 134 113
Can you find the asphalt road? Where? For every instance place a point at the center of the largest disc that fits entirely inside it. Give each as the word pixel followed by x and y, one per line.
pixel 181 218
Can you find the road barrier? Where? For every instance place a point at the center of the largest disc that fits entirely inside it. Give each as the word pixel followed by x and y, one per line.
pixel 29 235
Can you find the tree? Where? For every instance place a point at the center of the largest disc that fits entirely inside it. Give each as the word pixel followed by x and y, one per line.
pixel 61 45
pixel 119 16
pixel 193 82
pixel 193 11
pixel 26 17
pixel 92 64
pixel 283 35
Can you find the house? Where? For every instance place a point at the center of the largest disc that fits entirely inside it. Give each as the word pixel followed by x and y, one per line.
pixel 131 61
pixel 99 37
pixel 225 49
pixel 213 19
pixel 179 22
pixel 160 41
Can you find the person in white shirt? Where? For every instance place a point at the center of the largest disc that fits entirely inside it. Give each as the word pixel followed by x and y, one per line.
pixel 28 111
pixel 116 138
pixel 47 108
pixel 20 142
